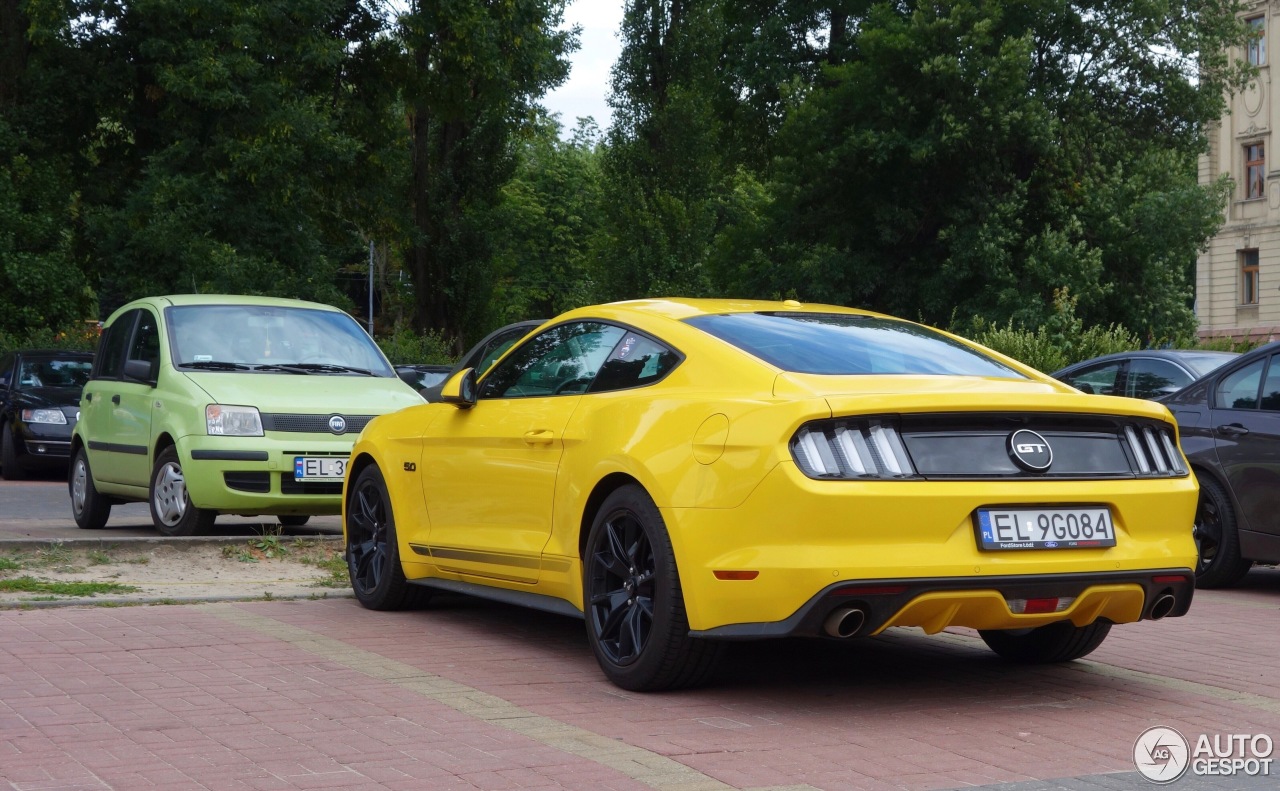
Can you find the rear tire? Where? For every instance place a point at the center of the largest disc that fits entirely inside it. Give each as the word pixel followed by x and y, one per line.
pixel 634 605
pixel 293 520
pixel 373 550
pixel 1056 642
pixel 89 508
pixel 1218 561
pixel 10 467
pixel 171 509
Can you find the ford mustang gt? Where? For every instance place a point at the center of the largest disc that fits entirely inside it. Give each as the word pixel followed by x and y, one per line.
pixel 681 473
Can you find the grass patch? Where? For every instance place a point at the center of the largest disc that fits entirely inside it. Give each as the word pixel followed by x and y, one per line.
pixel 33 585
pixel 10 564
pixel 326 557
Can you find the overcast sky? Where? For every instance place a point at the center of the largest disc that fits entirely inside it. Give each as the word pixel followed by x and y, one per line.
pixel 584 92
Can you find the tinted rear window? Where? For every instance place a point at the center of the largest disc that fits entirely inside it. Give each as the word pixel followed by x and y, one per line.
pixel 842 344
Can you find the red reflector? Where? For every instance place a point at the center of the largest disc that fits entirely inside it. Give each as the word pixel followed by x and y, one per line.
pixel 1038 606
pixel 736 575
pixel 883 590
pixel 1170 578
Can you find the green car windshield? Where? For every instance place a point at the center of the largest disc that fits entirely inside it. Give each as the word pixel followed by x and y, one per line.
pixel 268 337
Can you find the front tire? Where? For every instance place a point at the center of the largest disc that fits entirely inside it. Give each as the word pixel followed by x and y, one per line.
pixel 1218 562
pixel 89 508
pixel 1056 642
pixel 10 467
pixel 373 551
pixel 171 510
pixel 636 620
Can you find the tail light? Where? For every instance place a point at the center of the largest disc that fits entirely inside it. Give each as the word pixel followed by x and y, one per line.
pixel 851 448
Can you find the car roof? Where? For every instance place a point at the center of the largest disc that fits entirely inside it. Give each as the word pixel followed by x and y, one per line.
pixel 182 300
pixel 681 308
pixel 1177 355
pixel 53 353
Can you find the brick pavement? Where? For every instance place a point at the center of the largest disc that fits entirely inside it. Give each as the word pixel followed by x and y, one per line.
pixel 469 694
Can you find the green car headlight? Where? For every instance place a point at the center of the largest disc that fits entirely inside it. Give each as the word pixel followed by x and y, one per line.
pixel 44 416
pixel 233 421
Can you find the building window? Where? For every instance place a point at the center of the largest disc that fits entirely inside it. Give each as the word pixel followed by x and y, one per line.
pixel 1257 53
pixel 1248 277
pixel 1255 167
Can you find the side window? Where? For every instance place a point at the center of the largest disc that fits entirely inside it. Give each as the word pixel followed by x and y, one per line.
pixel 497 348
pixel 635 361
pixel 110 360
pixel 1098 380
pixel 562 360
pixel 1271 387
pixel 6 370
pixel 146 342
pixel 1151 378
pixel 1239 389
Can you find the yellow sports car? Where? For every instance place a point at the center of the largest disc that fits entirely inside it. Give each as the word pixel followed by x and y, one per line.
pixel 680 473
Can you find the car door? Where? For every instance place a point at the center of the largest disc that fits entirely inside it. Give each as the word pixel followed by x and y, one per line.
pixel 115 408
pixel 1245 420
pixel 489 472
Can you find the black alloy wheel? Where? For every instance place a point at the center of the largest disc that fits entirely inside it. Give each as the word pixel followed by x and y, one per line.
pixel 373 557
pixel 10 466
pixel 1219 564
pixel 636 621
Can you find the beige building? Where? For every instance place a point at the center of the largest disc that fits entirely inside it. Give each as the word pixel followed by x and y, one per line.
pixel 1238 277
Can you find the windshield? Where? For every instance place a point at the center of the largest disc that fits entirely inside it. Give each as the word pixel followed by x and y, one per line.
pixel 843 344
pixel 244 337
pixel 54 372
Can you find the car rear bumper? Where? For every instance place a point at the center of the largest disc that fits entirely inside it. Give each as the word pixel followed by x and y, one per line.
pixel 934 605
pixel 763 566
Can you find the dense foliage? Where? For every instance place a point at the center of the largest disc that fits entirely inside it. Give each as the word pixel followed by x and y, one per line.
pixel 960 162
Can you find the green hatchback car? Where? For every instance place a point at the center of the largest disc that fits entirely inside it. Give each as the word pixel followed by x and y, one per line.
pixel 206 404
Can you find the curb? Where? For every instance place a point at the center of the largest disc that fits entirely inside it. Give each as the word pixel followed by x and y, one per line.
pixel 109 543
pixel 155 601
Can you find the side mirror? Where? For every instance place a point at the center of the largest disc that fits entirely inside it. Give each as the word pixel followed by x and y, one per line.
pixel 139 370
pixel 460 389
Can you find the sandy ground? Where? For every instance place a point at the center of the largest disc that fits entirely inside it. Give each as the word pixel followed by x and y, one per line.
pixel 173 571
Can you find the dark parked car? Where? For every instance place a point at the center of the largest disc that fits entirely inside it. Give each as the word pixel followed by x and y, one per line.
pixel 1230 427
pixel 486 352
pixel 420 377
pixel 39 405
pixel 1142 374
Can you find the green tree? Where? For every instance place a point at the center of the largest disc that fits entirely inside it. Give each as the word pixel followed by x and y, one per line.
pixel 662 166
pixel 225 155
pixel 546 225
pixel 975 156
pixel 473 72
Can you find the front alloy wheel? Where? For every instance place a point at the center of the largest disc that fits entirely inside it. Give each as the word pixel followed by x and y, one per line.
pixel 373 558
pixel 172 512
pixel 636 621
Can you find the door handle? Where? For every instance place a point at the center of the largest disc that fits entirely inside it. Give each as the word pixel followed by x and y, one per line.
pixel 1232 430
pixel 539 436
pixel 115 399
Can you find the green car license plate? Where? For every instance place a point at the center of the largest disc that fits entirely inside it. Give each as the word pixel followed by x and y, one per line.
pixel 318 468
pixel 1081 527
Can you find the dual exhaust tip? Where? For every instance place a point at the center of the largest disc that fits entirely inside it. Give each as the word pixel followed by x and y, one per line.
pixel 844 622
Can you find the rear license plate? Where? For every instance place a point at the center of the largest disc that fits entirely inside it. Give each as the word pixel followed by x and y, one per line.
pixel 1084 527
pixel 318 468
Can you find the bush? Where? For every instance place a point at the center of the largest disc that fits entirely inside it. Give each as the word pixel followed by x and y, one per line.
pixel 1057 343
pixel 78 337
pixel 406 347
